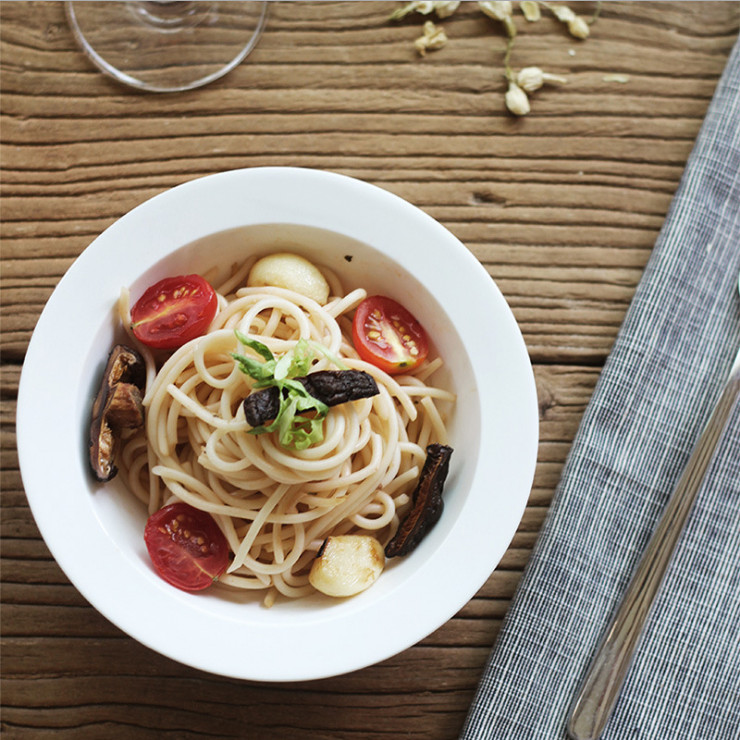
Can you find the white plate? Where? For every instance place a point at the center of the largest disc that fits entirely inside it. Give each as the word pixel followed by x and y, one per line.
pixel 370 237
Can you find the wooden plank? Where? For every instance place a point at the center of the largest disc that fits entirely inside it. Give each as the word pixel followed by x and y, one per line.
pixel 562 208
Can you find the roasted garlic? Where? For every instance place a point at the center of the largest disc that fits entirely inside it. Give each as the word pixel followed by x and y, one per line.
pixel 347 564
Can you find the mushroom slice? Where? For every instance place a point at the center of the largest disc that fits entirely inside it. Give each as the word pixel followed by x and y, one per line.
pixel 427 502
pixel 332 387
pixel 117 406
pixel 124 408
pixel 347 564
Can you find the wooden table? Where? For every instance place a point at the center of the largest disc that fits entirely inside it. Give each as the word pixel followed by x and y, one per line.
pixel 562 207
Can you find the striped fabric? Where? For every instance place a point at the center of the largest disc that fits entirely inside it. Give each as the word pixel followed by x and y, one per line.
pixel 656 392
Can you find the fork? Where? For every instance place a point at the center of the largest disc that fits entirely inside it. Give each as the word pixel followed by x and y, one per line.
pixel 599 691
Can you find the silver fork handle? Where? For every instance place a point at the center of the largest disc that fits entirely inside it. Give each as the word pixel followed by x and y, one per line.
pixel 603 683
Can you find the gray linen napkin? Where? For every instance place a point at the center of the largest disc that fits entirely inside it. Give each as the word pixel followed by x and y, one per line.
pixel 654 396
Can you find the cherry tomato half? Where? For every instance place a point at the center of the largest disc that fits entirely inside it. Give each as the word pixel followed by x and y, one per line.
pixel 174 311
pixel 388 336
pixel 187 548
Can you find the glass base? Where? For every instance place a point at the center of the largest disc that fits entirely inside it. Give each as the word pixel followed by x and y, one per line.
pixel 166 45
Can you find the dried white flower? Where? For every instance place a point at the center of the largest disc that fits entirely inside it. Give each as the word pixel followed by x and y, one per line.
pixel 578 28
pixel 562 12
pixel 532 78
pixel 616 78
pixel 497 10
pixel 424 7
pixel 576 25
pixel 516 100
pixel 434 38
pixel 443 8
pixel 500 11
pixel 528 79
pixel 531 10
pixel 446 9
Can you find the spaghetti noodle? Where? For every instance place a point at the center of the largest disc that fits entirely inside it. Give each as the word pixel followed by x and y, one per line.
pixel 275 505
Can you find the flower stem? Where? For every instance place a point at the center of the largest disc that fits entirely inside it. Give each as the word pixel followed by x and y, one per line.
pixel 597 11
pixel 507 59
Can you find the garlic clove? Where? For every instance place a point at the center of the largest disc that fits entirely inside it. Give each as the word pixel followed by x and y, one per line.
pixel 285 270
pixel 347 564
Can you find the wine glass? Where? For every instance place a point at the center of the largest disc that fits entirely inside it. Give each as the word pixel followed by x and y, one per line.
pixel 166 45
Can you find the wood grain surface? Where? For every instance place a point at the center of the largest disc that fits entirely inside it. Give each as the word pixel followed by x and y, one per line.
pixel 562 207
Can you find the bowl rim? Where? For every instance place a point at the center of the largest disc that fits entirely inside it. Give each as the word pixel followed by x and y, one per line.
pixel 343 204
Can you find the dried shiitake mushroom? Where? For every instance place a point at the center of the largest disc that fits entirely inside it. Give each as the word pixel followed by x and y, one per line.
pixel 117 406
pixel 332 387
pixel 427 502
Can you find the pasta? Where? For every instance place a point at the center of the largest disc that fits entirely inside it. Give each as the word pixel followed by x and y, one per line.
pixel 276 506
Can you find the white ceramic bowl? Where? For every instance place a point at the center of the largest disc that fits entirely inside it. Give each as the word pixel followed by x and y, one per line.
pixel 95 531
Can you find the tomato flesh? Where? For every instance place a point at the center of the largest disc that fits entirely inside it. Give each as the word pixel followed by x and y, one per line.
pixel 174 311
pixel 388 336
pixel 186 547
